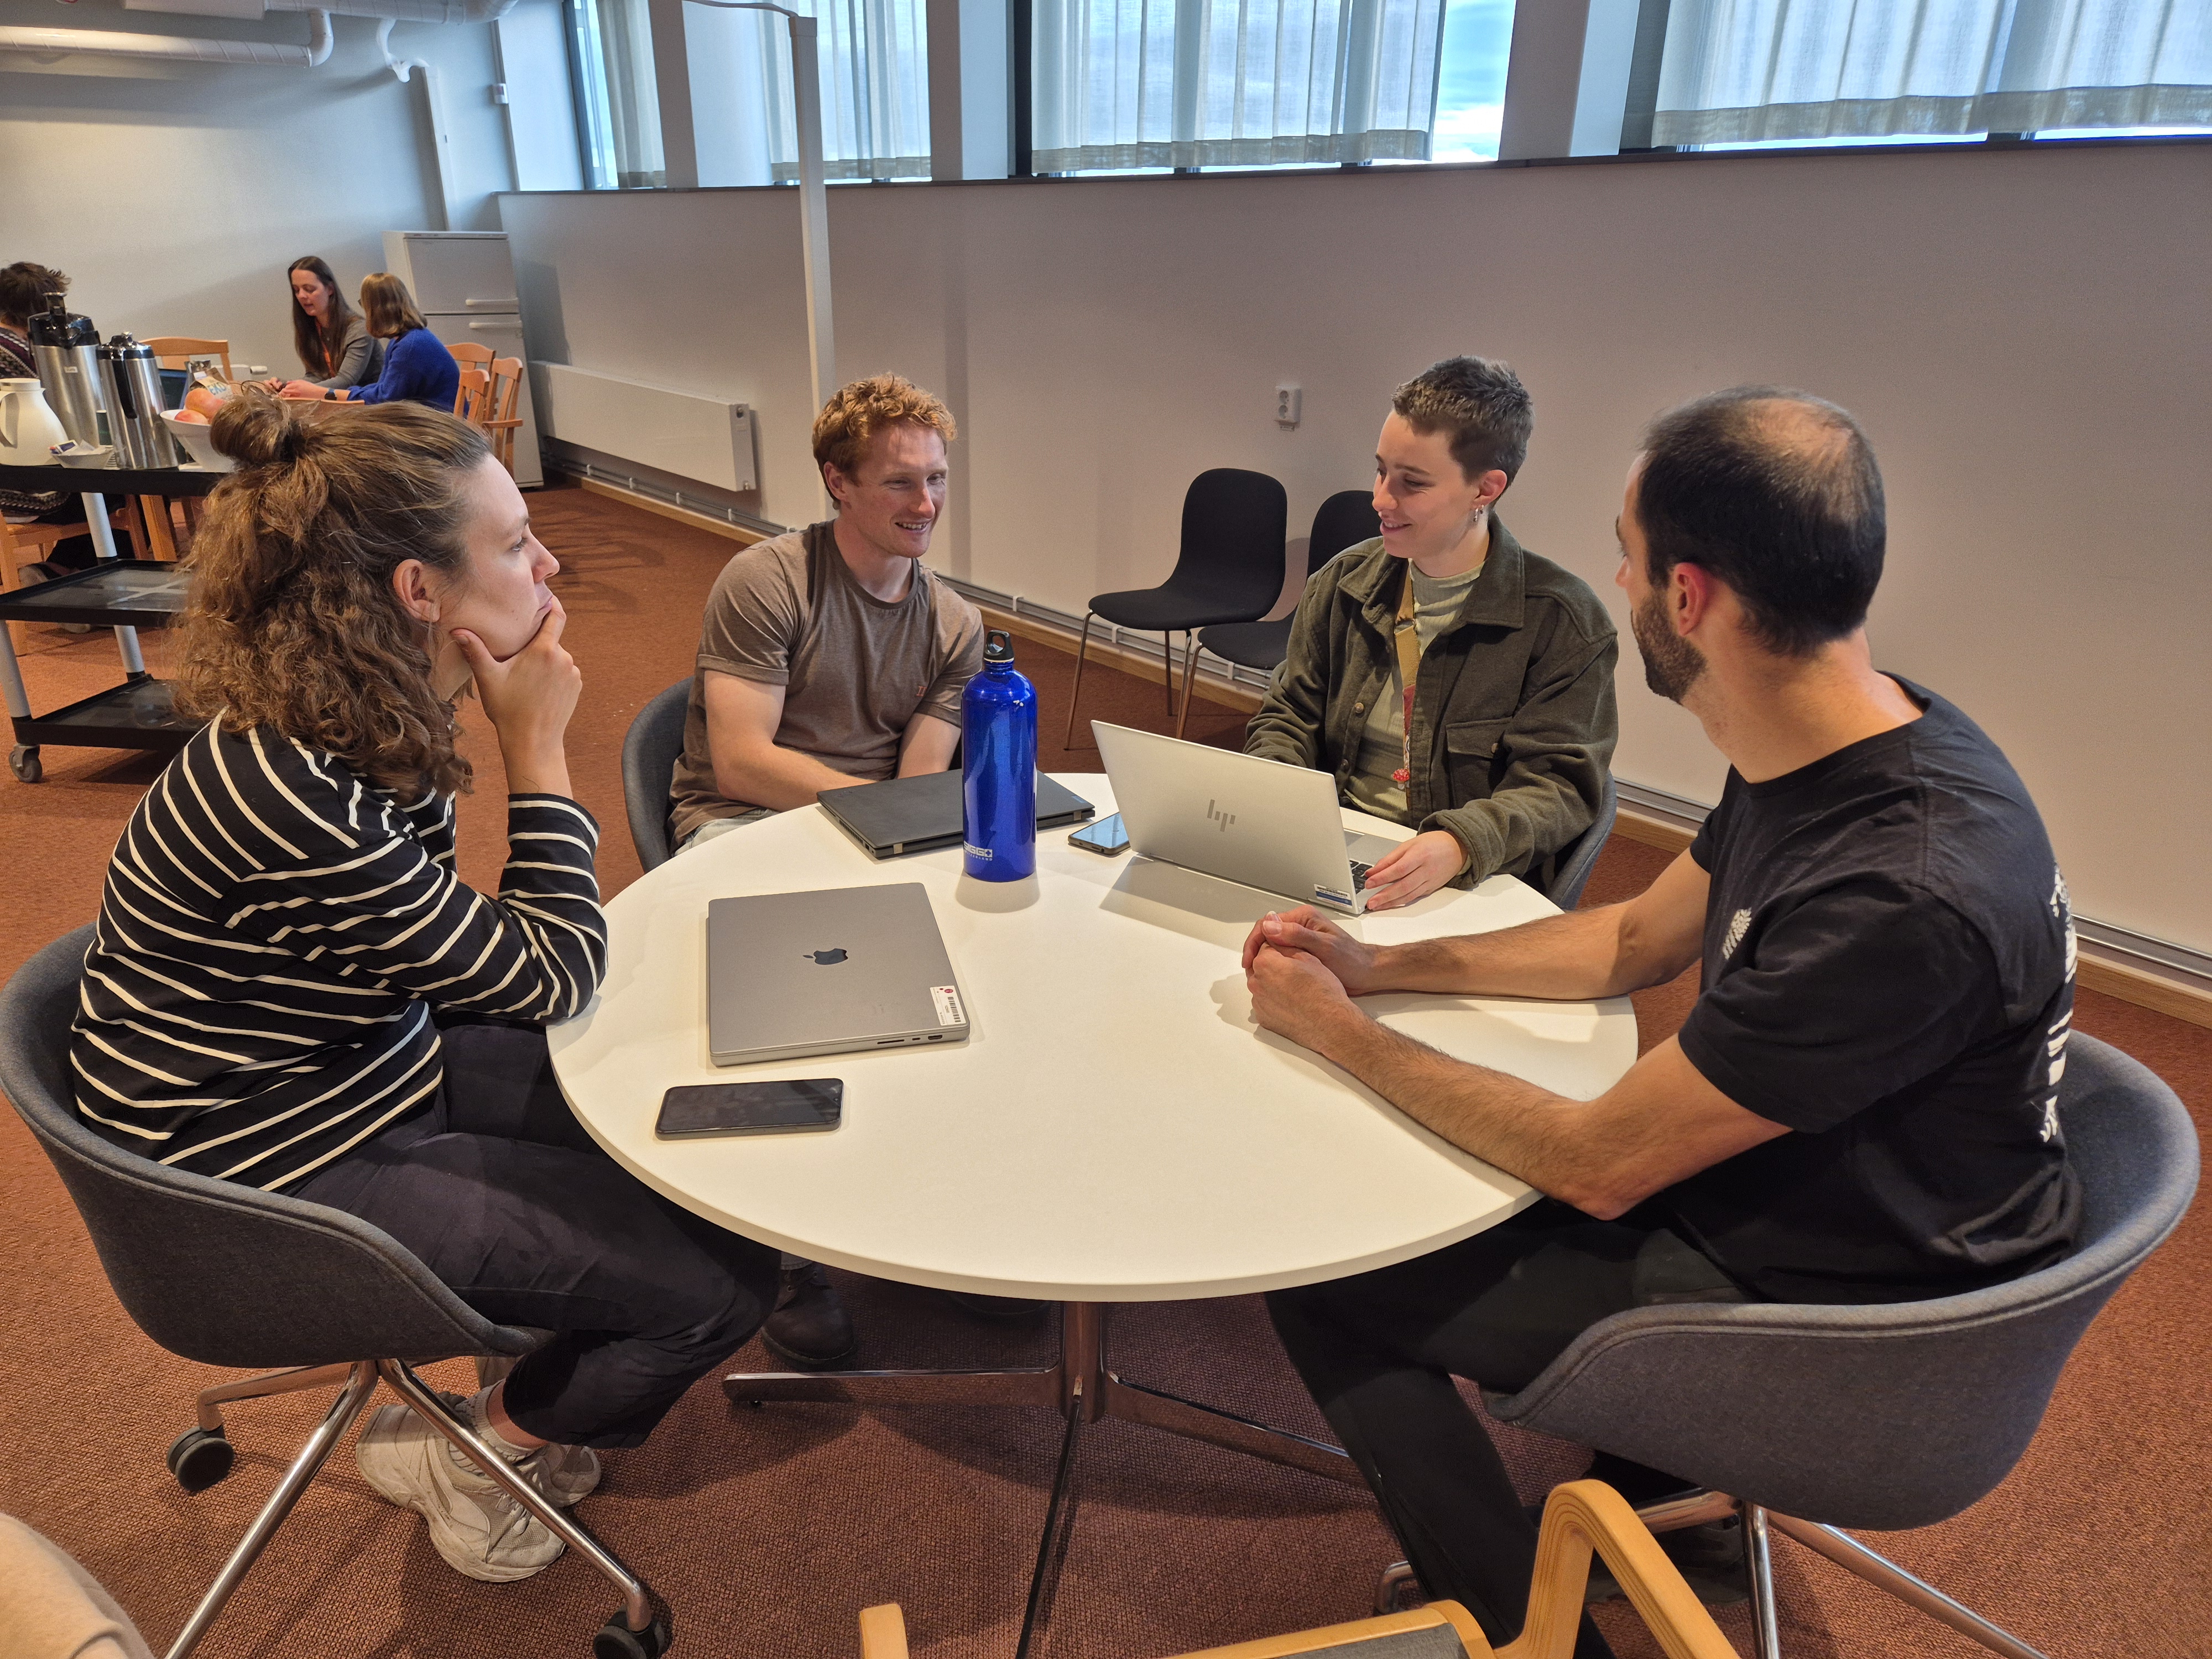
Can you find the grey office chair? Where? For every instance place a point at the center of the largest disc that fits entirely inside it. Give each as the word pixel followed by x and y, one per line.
pixel 222 1274
pixel 1888 1416
pixel 650 749
pixel 1229 568
pixel 1579 856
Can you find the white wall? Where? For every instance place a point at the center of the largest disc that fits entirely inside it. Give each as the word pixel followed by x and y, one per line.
pixel 2023 333
pixel 175 195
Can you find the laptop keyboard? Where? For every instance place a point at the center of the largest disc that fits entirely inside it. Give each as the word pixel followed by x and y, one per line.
pixel 1359 875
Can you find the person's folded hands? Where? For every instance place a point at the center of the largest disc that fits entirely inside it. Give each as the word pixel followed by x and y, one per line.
pixel 1305 929
pixel 1295 996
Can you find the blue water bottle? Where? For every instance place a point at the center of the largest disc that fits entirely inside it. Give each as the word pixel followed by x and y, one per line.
pixel 998 768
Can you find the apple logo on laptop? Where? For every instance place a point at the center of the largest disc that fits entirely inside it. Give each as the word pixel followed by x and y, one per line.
pixel 824 959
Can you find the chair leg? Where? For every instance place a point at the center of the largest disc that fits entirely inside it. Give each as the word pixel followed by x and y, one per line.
pixel 360 1383
pixel 1189 663
pixel 212 1400
pixel 1391 1586
pixel 637 1609
pixel 1082 648
pixel 1758 1568
pixel 1167 668
pixel 1848 1553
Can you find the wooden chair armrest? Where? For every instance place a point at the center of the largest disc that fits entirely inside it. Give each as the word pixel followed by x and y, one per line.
pixel 882 1632
pixel 1583 1515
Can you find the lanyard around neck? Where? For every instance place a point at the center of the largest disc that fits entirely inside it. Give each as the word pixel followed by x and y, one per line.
pixel 1408 639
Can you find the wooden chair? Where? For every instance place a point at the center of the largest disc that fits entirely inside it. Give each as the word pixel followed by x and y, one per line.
pixel 500 422
pixel 175 350
pixel 471 354
pixel 472 397
pixel 1581 1516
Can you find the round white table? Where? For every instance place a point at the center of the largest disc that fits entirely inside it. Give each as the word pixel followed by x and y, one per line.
pixel 1116 1128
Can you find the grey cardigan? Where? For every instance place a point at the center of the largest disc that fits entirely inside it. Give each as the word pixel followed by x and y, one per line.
pixel 361 359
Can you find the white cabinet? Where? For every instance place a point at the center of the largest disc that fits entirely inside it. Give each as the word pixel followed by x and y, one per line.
pixel 464 284
pixel 452 270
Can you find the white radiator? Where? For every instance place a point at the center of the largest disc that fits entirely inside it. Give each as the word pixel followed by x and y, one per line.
pixel 677 433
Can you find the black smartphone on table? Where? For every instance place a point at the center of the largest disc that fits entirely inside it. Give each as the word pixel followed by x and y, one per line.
pixel 751 1109
pixel 1106 836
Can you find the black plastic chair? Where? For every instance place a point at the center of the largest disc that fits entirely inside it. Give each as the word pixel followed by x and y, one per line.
pixel 1884 1416
pixel 223 1274
pixel 650 749
pixel 1345 520
pixel 1228 570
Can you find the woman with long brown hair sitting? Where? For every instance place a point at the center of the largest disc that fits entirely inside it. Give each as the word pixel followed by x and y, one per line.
pixel 289 983
pixel 334 343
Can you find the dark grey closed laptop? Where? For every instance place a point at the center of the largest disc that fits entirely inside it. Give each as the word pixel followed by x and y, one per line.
pixel 790 975
pixel 915 815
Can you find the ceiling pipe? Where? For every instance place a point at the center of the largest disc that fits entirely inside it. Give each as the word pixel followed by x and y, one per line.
pixel 441 138
pixel 175 48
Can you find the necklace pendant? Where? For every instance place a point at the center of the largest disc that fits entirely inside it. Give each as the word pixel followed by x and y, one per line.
pixel 1401 777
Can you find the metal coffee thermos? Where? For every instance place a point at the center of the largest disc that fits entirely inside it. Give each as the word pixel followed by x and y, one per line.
pixel 997 768
pixel 131 386
pixel 65 347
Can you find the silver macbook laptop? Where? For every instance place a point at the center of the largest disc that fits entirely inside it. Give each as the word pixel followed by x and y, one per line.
pixel 1270 826
pixel 790 975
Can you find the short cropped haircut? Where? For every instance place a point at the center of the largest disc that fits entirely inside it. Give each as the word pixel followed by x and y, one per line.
pixel 1775 493
pixel 1481 405
pixel 387 307
pixel 23 290
pixel 861 409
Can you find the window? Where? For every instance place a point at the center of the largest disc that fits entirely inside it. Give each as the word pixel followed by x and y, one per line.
pixel 1121 84
pixel 874 65
pixel 618 106
pixel 1737 72
pixel 1471 86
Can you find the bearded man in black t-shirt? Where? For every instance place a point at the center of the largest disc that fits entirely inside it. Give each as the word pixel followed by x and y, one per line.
pixel 1861 1106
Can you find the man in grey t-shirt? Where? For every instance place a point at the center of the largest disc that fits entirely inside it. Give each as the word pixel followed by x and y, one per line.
pixel 830 657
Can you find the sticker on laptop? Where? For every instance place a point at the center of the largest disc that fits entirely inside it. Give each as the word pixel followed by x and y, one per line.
pixel 949 1012
pixel 1330 896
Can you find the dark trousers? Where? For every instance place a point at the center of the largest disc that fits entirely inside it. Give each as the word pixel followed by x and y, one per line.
pixel 501 1193
pixel 1379 1352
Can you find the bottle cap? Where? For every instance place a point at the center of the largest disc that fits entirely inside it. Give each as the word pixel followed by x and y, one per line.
pixel 999 647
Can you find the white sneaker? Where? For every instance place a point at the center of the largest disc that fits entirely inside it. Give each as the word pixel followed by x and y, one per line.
pixel 475 1524
pixel 564 1473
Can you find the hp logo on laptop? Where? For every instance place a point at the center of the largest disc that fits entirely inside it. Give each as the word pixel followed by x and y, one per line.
pixel 1215 815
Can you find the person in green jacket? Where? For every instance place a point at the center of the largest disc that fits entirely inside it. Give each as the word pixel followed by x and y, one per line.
pixel 1499 755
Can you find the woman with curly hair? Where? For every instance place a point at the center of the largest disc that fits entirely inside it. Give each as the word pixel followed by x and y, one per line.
pixel 288 985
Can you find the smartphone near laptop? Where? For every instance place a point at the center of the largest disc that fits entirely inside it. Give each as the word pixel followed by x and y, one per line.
pixel 1256 822
pixel 795 1107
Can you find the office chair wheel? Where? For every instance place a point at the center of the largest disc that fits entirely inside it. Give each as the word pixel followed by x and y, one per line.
pixel 616 1640
pixel 23 761
pixel 200 1458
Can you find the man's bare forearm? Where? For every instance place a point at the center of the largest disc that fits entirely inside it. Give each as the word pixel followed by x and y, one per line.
pixel 776 777
pixel 1503 1119
pixel 1570 957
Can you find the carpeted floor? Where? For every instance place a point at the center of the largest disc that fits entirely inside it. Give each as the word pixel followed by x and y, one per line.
pixel 767 1531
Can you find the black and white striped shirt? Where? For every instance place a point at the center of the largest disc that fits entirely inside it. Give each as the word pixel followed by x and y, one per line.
pixel 274 935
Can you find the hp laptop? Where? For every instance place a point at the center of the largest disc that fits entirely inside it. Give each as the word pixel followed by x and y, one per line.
pixel 913 815
pixel 1257 822
pixel 790 975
